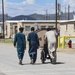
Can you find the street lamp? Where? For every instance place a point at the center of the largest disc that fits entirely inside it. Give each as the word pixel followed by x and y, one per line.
pixel 3 17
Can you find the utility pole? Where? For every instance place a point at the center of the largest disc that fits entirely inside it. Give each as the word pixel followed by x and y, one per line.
pixel 65 13
pixel 56 28
pixel 56 15
pixel 68 12
pixel 46 17
pixel 59 11
pixel 3 17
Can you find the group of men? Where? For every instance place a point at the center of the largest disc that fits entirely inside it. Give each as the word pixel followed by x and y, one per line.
pixel 20 43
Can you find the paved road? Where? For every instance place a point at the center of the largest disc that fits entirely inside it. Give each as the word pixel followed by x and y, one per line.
pixel 9 63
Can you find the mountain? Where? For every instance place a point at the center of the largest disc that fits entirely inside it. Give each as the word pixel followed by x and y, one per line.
pixel 22 17
pixel 62 16
pixel 35 16
pixel 6 17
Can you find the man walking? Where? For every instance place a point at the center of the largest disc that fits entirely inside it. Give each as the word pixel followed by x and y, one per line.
pixel 50 36
pixel 20 42
pixel 33 45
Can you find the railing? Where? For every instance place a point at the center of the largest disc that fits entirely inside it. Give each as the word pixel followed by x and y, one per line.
pixel 63 41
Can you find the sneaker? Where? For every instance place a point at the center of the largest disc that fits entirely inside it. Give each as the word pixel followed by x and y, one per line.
pixel 20 61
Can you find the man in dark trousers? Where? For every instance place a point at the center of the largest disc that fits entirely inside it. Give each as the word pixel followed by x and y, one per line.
pixel 33 45
pixel 20 43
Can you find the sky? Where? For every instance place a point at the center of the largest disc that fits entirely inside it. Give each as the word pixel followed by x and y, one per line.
pixel 26 7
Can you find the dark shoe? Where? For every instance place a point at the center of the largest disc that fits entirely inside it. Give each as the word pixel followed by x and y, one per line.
pixel 20 61
pixel 48 57
pixel 32 61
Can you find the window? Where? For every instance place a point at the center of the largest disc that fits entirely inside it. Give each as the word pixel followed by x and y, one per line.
pixel 66 27
pixel 27 28
pixel 74 26
pixel 43 26
pixel 6 29
pixel 0 28
pixel 11 25
pixel 50 26
pixel 15 29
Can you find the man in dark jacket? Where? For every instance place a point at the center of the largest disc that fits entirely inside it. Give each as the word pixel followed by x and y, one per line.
pixel 20 42
pixel 33 45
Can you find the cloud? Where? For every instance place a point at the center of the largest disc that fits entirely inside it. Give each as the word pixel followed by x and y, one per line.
pixel 47 8
pixel 26 7
pixel 17 8
pixel 30 6
pixel 69 2
pixel 29 2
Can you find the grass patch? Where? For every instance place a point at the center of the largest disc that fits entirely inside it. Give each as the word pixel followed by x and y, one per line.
pixel 6 41
pixel 9 41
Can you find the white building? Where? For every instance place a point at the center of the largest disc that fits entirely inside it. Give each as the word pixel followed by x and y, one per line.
pixel 11 27
pixel 67 28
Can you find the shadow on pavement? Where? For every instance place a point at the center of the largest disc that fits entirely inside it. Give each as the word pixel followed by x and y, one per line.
pixel 60 62
pixel 44 63
pixel 2 73
pixel 32 64
pixel 57 63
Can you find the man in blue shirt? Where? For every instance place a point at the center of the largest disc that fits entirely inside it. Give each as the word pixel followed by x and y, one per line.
pixel 33 45
pixel 20 43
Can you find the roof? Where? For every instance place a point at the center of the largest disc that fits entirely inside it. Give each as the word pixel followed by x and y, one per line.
pixel 31 21
pixel 67 21
pixel 37 21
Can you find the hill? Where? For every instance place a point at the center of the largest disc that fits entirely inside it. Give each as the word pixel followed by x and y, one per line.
pixel 6 17
pixel 35 16
pixel 22 17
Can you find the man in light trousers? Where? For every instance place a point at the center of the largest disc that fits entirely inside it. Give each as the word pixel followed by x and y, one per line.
pixel 50 36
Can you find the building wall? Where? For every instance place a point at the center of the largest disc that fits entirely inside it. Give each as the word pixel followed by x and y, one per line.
pixel 0 27
pixel 13 26
pixel 10 29
pixel 67 29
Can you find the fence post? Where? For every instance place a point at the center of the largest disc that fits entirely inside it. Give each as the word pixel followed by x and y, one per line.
pixel 63 42
pixel 58 41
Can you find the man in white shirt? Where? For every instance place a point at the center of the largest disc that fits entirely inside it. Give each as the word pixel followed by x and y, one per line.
pixel 50 36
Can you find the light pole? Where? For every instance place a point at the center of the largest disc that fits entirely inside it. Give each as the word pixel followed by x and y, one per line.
pixel 3 17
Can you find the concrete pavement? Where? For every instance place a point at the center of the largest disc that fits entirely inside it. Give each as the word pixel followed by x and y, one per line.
pixel 9 63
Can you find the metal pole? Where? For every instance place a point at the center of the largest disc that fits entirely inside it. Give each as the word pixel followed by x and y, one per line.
pixel 56 26
pixel 3 17
pixel 65 13
pixel 68 12
pixel 56 15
